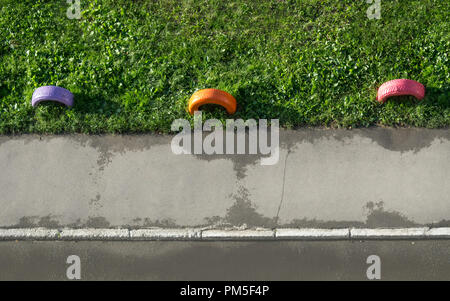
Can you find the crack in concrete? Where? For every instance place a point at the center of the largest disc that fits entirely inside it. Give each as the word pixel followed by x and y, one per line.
pixel 282 188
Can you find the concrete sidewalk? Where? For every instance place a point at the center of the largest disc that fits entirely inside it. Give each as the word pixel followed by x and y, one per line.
pixel 325 179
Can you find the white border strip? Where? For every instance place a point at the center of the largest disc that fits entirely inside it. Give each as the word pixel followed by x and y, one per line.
pixel 204 234
pixel 438 233
pixel 166 234
pixel 235 234
pixel 404 233
pixel 312 234
pixel 94 234
pixel 29 234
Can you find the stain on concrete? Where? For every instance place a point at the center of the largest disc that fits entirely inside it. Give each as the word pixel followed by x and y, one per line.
pixel 27 222
pixel 95 202
pixel 314 223
pixel 109 145
pixel 393 139
pixel 442 223
pixel 49 221
pixel 139 223
pixel 97 222
pixel 106 145
pixel 76 225
pixel 96 199
pixel 405 139
pixel 163 223
pixel 242 213
pixel 378 217
pixel 240 161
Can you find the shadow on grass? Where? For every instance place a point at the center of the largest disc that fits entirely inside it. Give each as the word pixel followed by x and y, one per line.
pixel 83 104
pixel 95 104
pixel 439 96
pixel 436 97
pixel 253 103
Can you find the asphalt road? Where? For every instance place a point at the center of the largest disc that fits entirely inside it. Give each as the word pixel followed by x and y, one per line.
pixel 340 260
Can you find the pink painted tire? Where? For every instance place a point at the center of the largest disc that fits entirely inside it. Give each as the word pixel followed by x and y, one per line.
pixel 52 93
pixel 399 87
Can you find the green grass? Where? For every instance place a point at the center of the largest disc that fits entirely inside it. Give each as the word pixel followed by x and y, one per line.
pixel 133 65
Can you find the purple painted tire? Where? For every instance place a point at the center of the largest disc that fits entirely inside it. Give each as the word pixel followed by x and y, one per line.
pixel 52 93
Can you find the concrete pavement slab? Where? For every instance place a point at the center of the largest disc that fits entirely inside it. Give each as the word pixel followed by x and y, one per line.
pixel 364 178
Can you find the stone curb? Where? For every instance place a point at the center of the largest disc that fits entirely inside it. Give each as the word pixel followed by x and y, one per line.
pixel 262 234
pixel 166 234
pixel 312 234
pixel 438 233
pixel 201 234
pixel 29 234
pixel 401 233
pixel 94 234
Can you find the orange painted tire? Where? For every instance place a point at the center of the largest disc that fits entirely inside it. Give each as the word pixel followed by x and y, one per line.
pixel 212 96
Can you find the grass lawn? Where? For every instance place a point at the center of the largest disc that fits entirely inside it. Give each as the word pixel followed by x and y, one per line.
pixel 133 65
